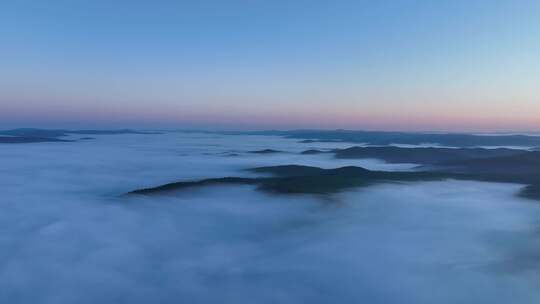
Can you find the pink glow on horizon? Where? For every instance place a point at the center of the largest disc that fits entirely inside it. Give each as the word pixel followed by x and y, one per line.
pixel 277 119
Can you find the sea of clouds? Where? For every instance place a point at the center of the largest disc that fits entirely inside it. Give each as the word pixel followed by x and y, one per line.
pixel 69 235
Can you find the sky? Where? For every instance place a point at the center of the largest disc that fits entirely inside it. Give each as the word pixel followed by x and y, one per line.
pixel 256 64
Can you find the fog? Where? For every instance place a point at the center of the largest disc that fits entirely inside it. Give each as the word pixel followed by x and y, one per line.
pixel 68 235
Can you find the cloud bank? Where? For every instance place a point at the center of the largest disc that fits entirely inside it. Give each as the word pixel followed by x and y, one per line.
pixel 68 237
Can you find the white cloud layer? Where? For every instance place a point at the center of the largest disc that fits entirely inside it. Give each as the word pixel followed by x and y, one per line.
pixel 67 236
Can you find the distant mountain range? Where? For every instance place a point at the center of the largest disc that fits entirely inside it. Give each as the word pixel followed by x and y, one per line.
pixel 479 164
pixel 310 136
pixel 424 156
pixel 387 138
pixel 31 135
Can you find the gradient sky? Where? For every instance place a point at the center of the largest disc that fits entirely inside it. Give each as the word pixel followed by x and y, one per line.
pixel 388 65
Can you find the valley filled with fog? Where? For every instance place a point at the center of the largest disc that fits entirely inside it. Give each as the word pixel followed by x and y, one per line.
pixel 70 234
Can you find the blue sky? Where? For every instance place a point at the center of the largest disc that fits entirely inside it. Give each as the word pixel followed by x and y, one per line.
pixel 411 65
